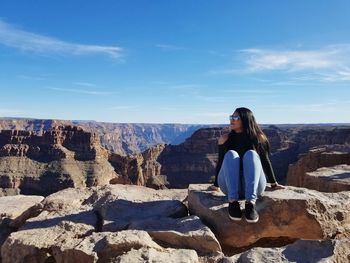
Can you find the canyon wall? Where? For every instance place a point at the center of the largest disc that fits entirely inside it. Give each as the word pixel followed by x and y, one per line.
pixel 65 156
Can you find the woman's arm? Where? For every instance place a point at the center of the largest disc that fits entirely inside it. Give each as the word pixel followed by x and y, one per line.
pixel 267 167
pixel 221 152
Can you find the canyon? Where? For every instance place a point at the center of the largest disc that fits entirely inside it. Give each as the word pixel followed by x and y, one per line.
pixel 89 203
pixel 29 160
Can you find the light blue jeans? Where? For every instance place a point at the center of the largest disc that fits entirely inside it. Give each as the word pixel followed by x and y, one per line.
pixel 248 184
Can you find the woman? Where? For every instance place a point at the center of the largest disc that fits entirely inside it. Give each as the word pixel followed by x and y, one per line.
pixel 244 165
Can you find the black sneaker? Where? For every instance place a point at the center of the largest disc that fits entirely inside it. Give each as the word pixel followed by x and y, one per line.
pixel 234 211
pixel 251 215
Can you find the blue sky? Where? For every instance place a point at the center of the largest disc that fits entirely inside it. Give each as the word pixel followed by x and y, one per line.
pixel 178 61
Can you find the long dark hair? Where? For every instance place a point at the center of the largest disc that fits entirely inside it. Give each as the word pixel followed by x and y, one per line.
pixel 252 129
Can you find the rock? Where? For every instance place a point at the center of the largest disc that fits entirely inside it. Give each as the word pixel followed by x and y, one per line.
pixel 187 232
pixel 15 210
pixel 300 251
pixel 119 214
pixel 194 161
pixel 325 156
pixel 329 179
pixel 103 247
pixel 72 217
pixel 9 192
pixel 141 169
pixel 292 213
pixel 120 138
pixel 151 255
pixel 63 157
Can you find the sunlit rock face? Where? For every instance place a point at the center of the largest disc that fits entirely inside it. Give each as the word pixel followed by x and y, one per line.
pixel 114 223
pixel 65 156
pixel 323 168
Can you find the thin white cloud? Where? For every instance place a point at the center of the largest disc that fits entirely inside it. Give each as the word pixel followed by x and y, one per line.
pixel 325 64
pixel 85 84
pixel 185 87
pixel 212 114
pixel 6 111
pixel 82 91
pixel 325 107
pixel 121 107
pixel 30 77
pixel 250 91
pixel 339 75
pixel 210 98
pixel 168 108
pixel 166 47
pixel 26 41
pixel 264 59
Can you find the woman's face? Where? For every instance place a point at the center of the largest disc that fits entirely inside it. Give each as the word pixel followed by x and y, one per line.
pixel 236 122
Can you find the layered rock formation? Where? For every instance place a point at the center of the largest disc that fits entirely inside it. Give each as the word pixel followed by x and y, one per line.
pixel 310 170
pixel 330 251
pixel 329 179
pixel 126 223
pixel 194 161
pixel 174 166
pixel 119 138
pixel 112 223
pixel 65 156
pixel 285 215
pixel 15 210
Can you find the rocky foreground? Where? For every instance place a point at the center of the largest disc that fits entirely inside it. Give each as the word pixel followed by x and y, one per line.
pixel 126 223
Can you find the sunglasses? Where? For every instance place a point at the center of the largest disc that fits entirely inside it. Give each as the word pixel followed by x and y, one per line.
pixel 234 118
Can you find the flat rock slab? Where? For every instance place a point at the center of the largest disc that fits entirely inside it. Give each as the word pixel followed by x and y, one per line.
pixel 187 233
pixel 329 179
pixel 103 246
pixel 330 251
pixel 16 209
pixel 292 213
pixel 151 255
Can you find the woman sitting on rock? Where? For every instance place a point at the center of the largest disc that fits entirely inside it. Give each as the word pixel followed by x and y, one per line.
pixel 243 164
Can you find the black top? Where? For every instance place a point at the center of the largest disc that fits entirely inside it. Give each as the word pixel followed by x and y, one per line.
pixel 240 143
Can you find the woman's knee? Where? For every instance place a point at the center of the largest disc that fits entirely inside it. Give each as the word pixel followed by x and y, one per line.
pixel 231 154
pixel 250 154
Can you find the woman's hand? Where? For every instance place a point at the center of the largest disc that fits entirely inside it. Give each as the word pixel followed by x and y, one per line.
pixel 277 186
pixel 213 188
pixel 223 138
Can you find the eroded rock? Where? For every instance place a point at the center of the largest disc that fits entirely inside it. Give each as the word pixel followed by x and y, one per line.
pixel 66 156
pixel 73 226
pixel 329 179
pixel 15 210
pixel 188 232
pixel 151 255
pixel 319 157
pixel 293 213
pixel 330 251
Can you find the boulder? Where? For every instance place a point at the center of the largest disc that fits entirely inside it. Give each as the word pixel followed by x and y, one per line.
pixel 318 157
pixel 15 210
pixel 291 213
pixel 151 255
pixel 102 247
pixel 330 251
pixel 188 232
pixel 73 224
pixel 329 179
